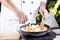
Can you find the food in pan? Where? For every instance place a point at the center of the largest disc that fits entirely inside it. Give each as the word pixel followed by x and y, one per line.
pixel 34 28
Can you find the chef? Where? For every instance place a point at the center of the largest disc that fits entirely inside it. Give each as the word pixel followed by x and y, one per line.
pixel 15 13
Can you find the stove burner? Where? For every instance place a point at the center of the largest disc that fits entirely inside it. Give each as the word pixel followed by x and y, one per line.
pixel 49 36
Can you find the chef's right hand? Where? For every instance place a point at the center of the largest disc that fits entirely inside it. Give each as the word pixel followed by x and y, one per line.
pixel 22 17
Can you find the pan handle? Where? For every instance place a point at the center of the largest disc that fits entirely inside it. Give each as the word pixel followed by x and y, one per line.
pixel 55 28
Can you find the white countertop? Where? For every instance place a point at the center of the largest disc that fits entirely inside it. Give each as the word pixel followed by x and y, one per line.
pixel 57 31
pixel 57 37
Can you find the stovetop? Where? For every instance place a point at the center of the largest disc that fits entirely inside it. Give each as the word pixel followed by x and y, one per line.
pixel 49 36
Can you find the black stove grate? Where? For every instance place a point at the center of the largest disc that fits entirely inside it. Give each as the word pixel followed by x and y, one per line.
pixel 50 36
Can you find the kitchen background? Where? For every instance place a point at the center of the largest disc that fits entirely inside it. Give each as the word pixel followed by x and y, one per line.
pixel 53 6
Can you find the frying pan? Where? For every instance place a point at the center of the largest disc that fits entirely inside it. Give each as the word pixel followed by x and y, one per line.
pixel 24 33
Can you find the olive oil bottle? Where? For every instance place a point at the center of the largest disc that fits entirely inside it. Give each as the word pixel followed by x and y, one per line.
pixel 38 18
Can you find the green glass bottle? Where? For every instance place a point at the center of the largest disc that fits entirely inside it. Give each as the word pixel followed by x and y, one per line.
pixel 38 18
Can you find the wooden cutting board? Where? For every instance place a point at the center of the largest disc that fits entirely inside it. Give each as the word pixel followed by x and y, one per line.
pixel 9 36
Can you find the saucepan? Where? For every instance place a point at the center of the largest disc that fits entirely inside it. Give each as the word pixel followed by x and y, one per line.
pixel 37 33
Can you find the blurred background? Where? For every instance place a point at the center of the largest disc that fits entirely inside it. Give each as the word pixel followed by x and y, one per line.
pixel 53 6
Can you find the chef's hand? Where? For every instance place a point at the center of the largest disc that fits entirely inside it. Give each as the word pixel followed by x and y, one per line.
pixel 22 17
pixel 43 11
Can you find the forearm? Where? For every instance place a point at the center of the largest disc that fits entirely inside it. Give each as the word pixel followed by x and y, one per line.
pixel 9 4
pixel 42 9
pixel 43 4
